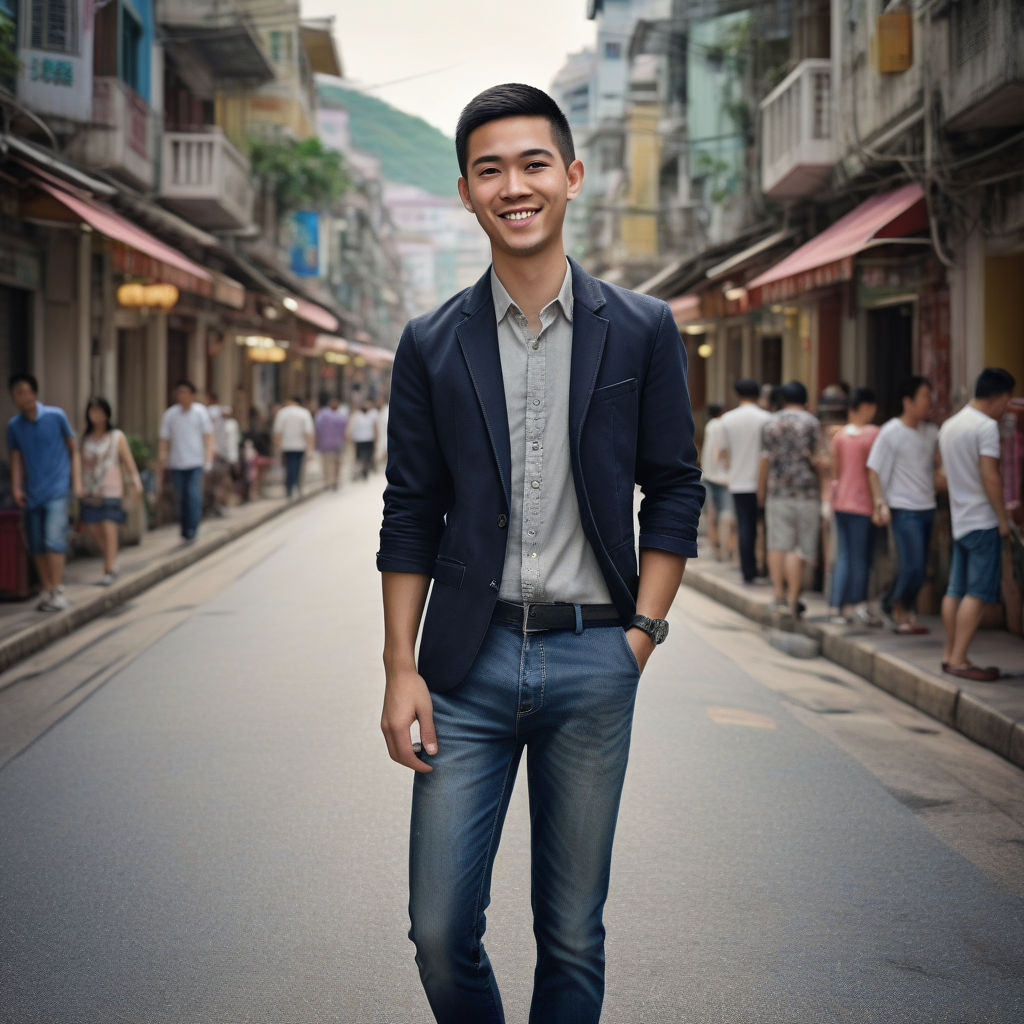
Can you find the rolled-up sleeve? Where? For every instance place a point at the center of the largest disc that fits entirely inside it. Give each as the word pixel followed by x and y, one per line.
pixel 419 488
pixel 667 456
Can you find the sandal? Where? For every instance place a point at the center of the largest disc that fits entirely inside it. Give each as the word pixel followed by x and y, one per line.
pixel 975 673
pixel 911 629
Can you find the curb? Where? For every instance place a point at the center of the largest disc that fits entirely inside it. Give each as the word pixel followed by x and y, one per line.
pixel 39 635
pixel 932 694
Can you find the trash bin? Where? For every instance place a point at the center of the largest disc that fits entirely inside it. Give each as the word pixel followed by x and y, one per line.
pixel 14 580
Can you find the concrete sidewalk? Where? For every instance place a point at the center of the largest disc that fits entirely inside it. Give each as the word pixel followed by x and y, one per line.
pixel 25 630
pixel 908 667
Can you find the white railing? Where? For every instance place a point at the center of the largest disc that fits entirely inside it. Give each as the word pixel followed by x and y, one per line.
pixel 122 135
pixel 203 171
pixel 797 131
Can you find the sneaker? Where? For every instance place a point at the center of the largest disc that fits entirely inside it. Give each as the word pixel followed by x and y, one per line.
pixel 107 578
pixel 57 603
pixel 839 620
pixel 864 617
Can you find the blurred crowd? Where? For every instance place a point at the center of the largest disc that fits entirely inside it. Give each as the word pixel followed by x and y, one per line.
pixel 788 490
pixel 205 463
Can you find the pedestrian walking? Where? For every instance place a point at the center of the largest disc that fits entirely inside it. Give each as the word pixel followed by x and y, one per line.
pixel 790 491
pixel 721 515
pixel 186 449
pixel 45 469
pixel 740 447
pixel 227 452
pixel 523 411
pixel 107 463
pixel 853 507
pixel 363 430
pixel 969 443
pixel 293 436
pixel 331 423
pixel 902 469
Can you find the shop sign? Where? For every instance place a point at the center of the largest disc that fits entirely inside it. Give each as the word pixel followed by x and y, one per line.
pixel 879 282
pixel 304 251
pixel 19 269
pixel 52 71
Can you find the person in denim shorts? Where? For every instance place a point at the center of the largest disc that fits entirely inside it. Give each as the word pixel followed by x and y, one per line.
pixel 969 442
pixel 44 469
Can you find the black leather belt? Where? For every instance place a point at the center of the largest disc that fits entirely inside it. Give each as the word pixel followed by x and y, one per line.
pixel 532 618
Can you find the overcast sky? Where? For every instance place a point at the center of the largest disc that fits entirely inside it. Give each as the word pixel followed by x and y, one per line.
pixel 449 50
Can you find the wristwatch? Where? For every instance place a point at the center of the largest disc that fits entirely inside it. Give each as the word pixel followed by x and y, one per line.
pixel 656 629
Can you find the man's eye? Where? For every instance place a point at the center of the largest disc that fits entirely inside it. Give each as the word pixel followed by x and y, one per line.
pixel 536 163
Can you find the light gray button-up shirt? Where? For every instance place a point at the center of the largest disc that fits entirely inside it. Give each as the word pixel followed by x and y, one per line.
pixel 548 557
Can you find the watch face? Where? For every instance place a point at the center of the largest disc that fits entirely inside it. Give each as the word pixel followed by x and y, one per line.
pixel 660 631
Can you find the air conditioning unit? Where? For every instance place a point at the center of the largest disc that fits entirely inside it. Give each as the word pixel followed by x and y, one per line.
pixel 892 46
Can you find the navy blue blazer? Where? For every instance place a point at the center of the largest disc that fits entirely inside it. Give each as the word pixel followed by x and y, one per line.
pixel 446 502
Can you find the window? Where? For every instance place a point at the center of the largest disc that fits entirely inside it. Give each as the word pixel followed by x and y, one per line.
pixel 281 47
pixel 131 43
pixel 613 51
pixel 53 26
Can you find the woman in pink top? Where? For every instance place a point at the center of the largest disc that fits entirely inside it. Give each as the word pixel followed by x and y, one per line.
pixel 106 463
pixel 853 505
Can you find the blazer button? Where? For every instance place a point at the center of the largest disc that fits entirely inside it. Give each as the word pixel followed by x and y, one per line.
pixel 493 584
pixel 502 521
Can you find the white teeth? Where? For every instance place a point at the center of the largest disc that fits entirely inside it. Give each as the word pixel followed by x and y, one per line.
pixel 521 215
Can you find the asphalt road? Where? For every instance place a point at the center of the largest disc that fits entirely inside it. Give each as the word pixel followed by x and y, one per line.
pixel 199 822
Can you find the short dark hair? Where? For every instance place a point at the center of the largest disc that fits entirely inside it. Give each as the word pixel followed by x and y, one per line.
pixel 713 410
pixel 297 399
pixel 512 100
pixel 862 396
pixel 794 393
pixel 746 387
pixel 184 383
pixel 910 386
pixel 23 378
pixel 993 382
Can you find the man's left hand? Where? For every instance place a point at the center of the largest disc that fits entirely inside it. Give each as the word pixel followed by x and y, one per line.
pixel 642 646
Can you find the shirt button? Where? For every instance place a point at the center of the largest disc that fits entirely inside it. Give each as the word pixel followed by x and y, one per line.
pixel 536 401
pixel 502 521
pixel 535 484
pixel 536 445
pixel 533 554
pixel 531 533
pixel 493 584
pixel 536 344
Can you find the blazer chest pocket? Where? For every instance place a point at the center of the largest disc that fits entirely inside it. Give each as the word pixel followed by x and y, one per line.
pixel 449 572
pixel 624 387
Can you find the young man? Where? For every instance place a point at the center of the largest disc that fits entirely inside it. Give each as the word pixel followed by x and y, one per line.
pixel 739 439
pixel 45 468
pixel 331 421
pixel 969 442
pixel 523 411
pixel 293 432
pixel 902 469
pixel 715 472
pixel 363 429
pixel 790 490
pixel 186 449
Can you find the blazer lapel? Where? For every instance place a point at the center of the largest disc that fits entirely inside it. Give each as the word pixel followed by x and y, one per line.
pixel 588 338
pixel 478 337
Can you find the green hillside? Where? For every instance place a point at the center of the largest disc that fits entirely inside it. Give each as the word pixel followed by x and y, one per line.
pixel 411 152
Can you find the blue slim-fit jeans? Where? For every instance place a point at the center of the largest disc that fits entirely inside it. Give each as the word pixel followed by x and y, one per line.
pixel 854 538
pixel 566 699
pixel 912 532
pixel 188 483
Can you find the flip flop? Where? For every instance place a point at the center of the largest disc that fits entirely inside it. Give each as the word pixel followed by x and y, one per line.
pixel 911 629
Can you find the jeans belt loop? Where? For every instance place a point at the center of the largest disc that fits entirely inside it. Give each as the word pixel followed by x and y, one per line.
pixel 578 609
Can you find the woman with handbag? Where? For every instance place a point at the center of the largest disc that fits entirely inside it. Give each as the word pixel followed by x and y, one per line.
pixel 106 464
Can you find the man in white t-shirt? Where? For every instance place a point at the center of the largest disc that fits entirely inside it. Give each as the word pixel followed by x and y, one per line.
pixel 363 429
pixel 902 468
pixel 186 449
pixel 293 432
pixel 715 474
pixel 969 442
pixel 739 445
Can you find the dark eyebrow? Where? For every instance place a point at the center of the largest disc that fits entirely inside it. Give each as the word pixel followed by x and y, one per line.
pixel 525 153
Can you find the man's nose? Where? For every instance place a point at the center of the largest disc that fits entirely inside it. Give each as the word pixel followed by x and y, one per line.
pixel 516 185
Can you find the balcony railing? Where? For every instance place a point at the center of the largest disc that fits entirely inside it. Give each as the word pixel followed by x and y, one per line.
pixel 207 179
pixel 985 84
pixel 797 132
pixel 121 136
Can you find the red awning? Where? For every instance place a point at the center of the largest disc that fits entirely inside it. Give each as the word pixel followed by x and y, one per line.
pixel 828 258
pixel 316 315
pixel 685 308
pixel 171 265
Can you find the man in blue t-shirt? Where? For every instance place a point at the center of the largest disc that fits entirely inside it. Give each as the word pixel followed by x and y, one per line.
pixel 44 467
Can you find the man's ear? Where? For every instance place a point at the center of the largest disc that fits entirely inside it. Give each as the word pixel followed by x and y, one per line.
pixel 575 175
pixel 467 202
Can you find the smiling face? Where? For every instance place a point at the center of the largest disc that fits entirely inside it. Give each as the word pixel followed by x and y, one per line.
pixel 517 185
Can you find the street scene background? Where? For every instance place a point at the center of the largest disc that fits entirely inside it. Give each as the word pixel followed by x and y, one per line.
pixel 199 818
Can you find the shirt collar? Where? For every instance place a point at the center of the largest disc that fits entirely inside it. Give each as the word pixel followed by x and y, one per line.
pixel 503 302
